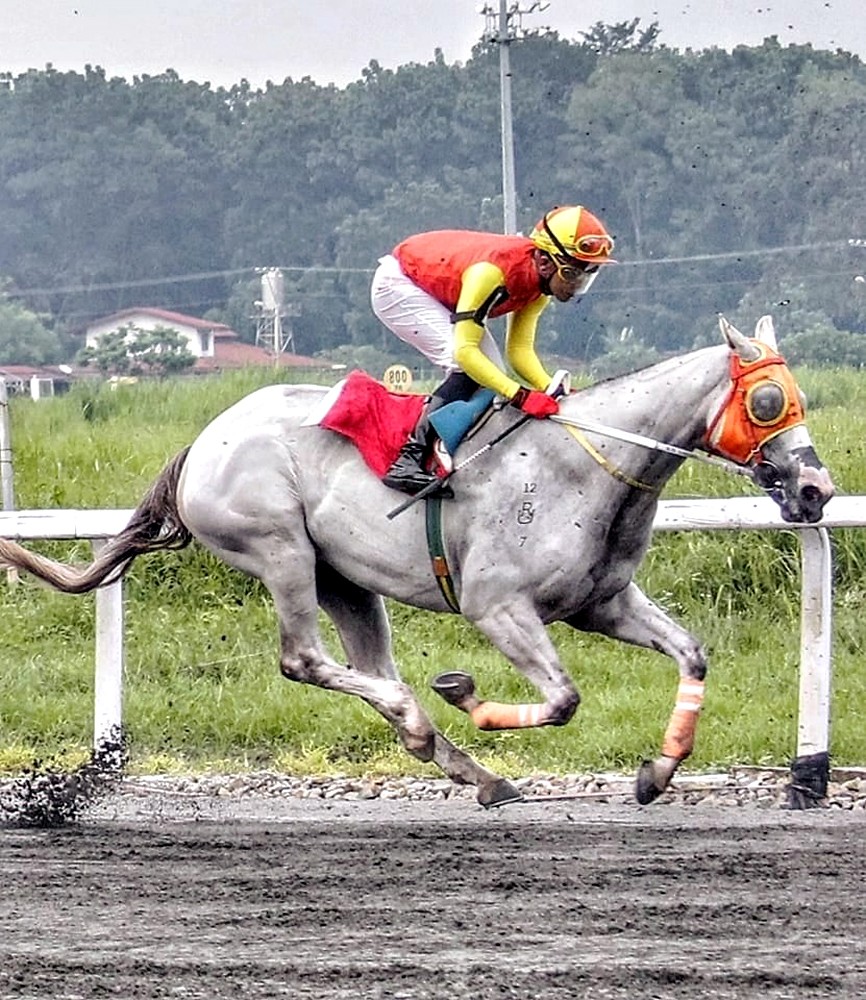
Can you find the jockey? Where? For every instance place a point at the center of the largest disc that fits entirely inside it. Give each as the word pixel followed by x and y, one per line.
pixel 436 290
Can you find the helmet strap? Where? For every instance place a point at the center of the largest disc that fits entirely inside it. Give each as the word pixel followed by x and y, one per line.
pixel 553 237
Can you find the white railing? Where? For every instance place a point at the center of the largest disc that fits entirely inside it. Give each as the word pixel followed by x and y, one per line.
pixel 737 513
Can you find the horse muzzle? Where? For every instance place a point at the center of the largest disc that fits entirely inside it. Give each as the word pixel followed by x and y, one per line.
pixel 801 495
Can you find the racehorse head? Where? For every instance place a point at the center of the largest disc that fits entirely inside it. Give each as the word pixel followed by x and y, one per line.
pixel 760 424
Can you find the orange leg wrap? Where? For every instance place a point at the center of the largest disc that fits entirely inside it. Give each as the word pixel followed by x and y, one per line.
pixel 680 734
pixel 496 715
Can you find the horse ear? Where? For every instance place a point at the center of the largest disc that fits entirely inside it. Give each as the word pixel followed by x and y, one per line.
pixel 766 332
pixel 737 341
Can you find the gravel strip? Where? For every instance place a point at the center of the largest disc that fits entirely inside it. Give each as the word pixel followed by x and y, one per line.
pixel 762 787
pixel 52 799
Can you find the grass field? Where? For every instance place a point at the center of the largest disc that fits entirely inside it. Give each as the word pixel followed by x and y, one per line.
pixel 203 689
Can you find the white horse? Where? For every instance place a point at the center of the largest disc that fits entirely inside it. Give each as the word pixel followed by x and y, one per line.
pixel 548 526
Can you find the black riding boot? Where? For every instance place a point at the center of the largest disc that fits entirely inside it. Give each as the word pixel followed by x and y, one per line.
pixel 408 473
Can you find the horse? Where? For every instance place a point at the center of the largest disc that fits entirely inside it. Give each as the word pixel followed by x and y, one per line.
pixel 550 527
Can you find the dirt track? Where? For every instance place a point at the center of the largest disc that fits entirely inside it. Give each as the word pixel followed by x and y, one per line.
pixel 261 898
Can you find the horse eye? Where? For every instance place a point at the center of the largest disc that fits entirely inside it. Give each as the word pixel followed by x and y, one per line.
pixel 767 403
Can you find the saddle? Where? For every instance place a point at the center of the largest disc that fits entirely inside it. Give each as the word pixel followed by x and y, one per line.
pixel 379 421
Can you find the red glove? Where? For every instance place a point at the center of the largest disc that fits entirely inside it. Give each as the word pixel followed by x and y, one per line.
pixel 535 403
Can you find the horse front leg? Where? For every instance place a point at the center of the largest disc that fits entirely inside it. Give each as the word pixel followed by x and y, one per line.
pixel 517 631
pixel 633 618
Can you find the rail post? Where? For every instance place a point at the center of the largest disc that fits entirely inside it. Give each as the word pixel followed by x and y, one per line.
pixel 108 677
pixel 810 769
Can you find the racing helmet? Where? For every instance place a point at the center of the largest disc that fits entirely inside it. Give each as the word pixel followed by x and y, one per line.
pixel 573 231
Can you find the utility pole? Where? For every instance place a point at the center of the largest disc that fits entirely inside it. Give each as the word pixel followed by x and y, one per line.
pixel 503 26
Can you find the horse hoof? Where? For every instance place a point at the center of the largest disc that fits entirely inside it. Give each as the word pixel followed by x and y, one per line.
pixel 455 687
pixel 646 790
pixel 499 793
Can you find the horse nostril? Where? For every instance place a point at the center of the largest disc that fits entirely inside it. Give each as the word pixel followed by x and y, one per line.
pixel 811 494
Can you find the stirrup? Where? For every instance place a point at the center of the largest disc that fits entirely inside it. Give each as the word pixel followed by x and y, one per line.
pixel 443 456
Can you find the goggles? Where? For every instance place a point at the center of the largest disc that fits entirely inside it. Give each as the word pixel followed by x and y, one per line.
pixel 575 273
pixel 591 245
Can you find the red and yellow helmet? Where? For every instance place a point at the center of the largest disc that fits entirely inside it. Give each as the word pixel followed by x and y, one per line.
pixel 573 231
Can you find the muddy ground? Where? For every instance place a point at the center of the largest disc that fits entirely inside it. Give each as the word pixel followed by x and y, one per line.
pixel 202 897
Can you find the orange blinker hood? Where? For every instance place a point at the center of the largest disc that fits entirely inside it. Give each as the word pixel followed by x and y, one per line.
pixel 763 401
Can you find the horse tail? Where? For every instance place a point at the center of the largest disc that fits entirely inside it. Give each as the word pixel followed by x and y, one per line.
pixel 155 525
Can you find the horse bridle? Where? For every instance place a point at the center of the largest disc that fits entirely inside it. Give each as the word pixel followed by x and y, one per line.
pixel 763 401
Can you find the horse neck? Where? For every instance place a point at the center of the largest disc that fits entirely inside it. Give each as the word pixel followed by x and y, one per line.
pixel 672 401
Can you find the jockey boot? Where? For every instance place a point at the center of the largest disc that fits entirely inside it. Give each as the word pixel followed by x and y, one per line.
pixel 408 473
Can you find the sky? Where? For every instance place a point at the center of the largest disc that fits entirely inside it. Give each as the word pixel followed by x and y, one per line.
pixel 224 41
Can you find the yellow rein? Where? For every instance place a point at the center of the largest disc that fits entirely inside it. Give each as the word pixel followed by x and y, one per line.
pixel 605 462
pixel 577 427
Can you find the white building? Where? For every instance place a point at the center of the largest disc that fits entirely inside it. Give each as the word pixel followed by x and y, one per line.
pixel 201 335
pixel 215 346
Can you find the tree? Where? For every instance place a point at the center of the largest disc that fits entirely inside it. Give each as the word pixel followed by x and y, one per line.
pixel 132 351
pixel 103 183
pixel 624 36
pixel 24 340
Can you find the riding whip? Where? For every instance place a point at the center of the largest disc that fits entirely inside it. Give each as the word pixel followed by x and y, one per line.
pixel 433 487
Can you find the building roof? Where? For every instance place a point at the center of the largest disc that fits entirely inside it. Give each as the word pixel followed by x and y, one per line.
pixel 167 316
pixel 236 354
pixel 28 371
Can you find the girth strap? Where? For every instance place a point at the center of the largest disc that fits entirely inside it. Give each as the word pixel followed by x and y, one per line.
pixel 436 548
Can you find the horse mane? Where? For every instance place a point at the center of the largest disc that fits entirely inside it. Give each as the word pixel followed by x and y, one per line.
pixel 647 372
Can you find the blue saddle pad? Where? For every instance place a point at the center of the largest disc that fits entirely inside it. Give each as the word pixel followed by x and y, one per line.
pixel 453 420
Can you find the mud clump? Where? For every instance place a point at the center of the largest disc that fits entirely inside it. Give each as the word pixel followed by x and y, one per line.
pixel 46 797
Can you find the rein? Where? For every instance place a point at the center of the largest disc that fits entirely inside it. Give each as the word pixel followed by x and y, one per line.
pixel 763 400
pixel 576 427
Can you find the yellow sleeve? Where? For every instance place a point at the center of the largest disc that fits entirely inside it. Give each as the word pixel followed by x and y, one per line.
pixel 520 344
pixel 479 282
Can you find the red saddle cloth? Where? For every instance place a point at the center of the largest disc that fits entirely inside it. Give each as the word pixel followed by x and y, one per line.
pixel 376 420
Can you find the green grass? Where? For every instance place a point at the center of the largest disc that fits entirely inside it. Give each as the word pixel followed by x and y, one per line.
pixel 202 686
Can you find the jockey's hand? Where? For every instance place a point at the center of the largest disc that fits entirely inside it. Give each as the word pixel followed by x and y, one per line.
pixel 560 384
pixel 535 403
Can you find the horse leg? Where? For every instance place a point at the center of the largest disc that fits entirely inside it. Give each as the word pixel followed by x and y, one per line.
pixel 632 617
pixel 362 624
pixel 517 631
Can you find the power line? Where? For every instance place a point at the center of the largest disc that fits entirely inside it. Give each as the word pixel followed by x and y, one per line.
pixel 175 279
pixel 738 254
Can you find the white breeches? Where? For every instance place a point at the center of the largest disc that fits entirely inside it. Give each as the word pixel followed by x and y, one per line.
pixel 418 319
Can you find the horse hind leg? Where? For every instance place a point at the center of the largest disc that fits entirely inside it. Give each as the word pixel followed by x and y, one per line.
pixel 362 625
pixel 361 621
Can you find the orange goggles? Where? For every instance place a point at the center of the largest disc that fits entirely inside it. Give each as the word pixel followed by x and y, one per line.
pixel 595 245
pixel 591 245
pixel 763 401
